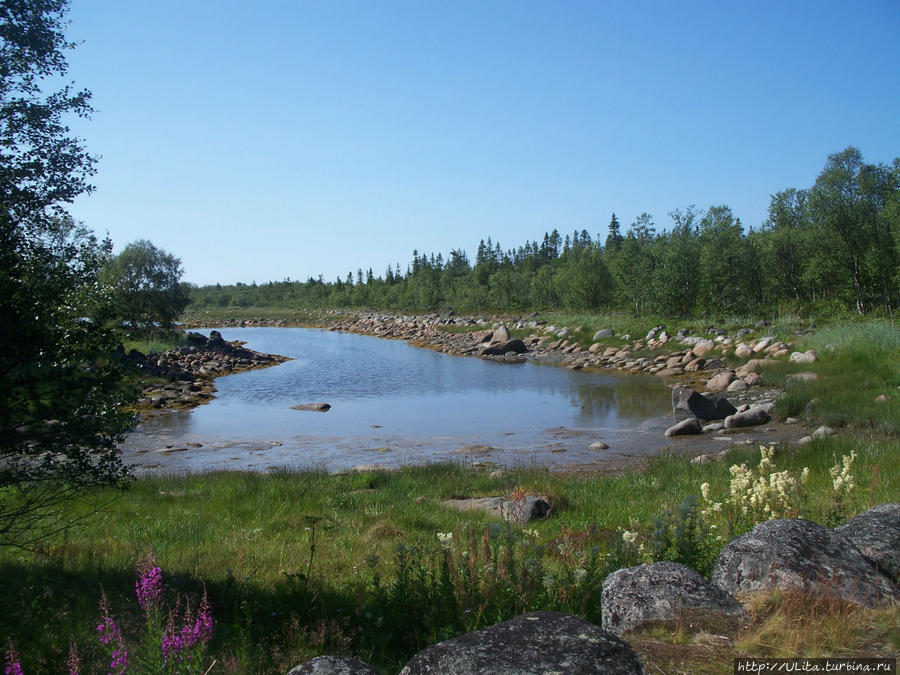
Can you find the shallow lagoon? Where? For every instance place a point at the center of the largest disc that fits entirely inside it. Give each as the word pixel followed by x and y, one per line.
pixel 393 404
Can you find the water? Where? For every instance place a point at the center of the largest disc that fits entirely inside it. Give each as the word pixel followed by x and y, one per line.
pixel 393 404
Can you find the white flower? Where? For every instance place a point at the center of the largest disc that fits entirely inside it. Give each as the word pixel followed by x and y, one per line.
pixel 446 539
pixel 704 490
pixel 629 537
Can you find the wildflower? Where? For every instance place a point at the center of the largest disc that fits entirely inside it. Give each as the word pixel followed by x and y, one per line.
pixel 704 490
pixel 446 539
pixel 148 587
pixel 579 574
pixel 110 634
pixel 13 666
pixel 629 537
pixel 73 663
pixel 193 633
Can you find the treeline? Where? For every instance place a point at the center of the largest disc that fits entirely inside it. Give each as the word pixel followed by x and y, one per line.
pixel 834 246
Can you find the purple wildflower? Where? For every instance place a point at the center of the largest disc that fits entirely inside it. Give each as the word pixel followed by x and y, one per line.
pixel 110 633
pixel 148 587
pixel 194 631
pixel 73 663
pixel 13 667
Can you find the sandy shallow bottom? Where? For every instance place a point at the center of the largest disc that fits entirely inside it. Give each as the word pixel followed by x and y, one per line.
pixel 166 451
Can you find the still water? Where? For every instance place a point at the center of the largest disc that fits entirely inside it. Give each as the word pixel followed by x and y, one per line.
pixel 393 404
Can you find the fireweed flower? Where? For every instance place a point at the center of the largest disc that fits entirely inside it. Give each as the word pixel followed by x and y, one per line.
pixel 148 587
pixel 13 667
pixel 110 634
pixel 195 631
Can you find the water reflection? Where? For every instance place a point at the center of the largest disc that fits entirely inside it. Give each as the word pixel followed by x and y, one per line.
pixel 411 405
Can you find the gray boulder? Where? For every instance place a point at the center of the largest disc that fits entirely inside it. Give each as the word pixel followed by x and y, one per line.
pixel 500 336
pixel 685 399
pixel 798 554
pixel 531 644
pixel 720 381
pixel 686 427
pixel 749 418
pixel 602 334
pixel 518 512
pixel 333 665
pixel 664 592
pixel 876 534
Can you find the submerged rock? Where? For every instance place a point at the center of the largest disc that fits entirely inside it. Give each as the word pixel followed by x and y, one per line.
pixel 314 407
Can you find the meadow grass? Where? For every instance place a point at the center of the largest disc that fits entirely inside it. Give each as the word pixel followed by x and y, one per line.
pixel 301 563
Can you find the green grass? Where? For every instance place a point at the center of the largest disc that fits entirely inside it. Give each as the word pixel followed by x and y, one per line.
pixel 856 363
pixel 247 537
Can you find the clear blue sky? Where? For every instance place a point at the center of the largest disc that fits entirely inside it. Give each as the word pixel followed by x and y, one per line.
pixel 259 141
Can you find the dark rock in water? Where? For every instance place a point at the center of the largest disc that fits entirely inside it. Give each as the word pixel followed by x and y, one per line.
pixel 798 554
pixel 687 427
pixel 531 644
pixel 662 592
pixel 215 340
pixel 685 399
pixel 314 407
pixel 515 345
pixel 876 534
pixel 333 665
pixel 197 339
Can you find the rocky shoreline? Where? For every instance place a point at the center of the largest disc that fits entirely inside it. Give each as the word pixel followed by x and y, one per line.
pixel 190 371
pixel 711 363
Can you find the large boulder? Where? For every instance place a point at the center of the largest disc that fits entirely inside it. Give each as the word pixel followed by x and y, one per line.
pixel 685 399
pixel 876 534
pixel 703 347
pixel 333 665
pixel 500 335
pixel 664 592
pixel 519 511
pixel 602 334
pixel 531 644
pixel 796 554
pixel 499 349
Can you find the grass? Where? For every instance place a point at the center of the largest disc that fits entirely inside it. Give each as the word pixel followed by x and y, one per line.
pixel 277 601
pixel 856 364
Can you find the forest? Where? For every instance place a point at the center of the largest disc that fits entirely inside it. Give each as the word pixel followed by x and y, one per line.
pixel 832 248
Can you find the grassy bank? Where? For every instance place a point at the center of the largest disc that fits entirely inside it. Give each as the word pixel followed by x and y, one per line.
pixel 297 564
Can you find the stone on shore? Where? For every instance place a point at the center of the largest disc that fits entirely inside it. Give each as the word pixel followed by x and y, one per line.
pixel 539 642
pixel 720 381
pixel 796 554
pixel 685 399
pixel 687 427
pixel 749 418
pixel 602 334
pixel 663 592
pixel 876 534
pixel 499 349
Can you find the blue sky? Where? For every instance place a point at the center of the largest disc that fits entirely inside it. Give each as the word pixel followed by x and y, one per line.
pixel 259 141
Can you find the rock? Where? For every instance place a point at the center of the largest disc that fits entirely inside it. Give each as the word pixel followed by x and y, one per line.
pixel 762 343
pixel 703 347
pixel 602 334
pixel 798 554
pixel 752 379
pixel 743 351
pixel 882 398
pixel 333 665
pixel 538 642
pixel 598 445
pixel 801 377
pixel 823 432
pixel 314 407
pixel 215 340
pixel 721 381
pixel 596 348
pixel 685 399
pixel 737 386
pixel 876 534
pixel 499 349
pixel 690 426
pixel 664 592
pixel 197 339
pixel 803 357
pixel 500 335
pixel 510 510
pixel 755 416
